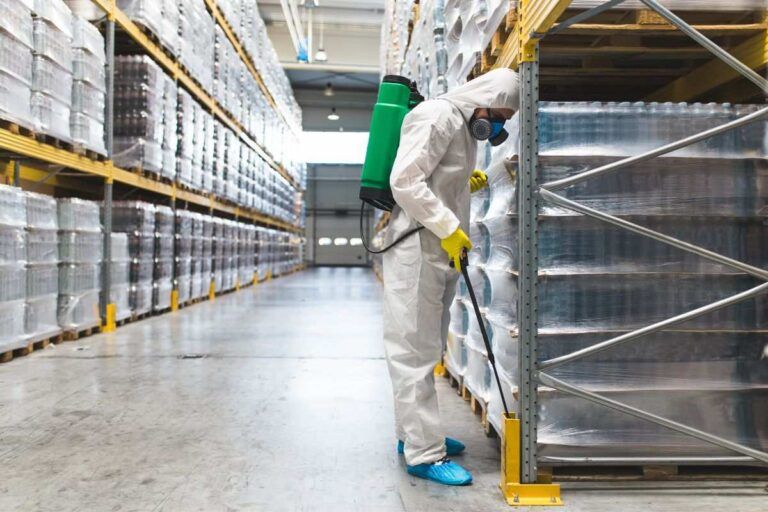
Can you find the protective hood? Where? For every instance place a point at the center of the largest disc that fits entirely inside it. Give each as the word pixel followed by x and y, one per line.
pixel 499 88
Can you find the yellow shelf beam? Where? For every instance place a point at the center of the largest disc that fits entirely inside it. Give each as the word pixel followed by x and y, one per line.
pixel 31 148
pixel 175 70
pixel 28 147
pixel 753 53
pixel 535 18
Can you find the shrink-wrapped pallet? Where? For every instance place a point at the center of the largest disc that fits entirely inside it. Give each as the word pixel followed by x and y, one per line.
pixel 88 86
pixel 162 276
pixel 137 220
pixel 52 67
pixel 597 281
pixel 40 317
pixel 139 113
pixel 80 255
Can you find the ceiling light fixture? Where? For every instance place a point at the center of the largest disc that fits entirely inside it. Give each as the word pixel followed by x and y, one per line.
pixel 328 90
pixel 321 55
pixel 333 116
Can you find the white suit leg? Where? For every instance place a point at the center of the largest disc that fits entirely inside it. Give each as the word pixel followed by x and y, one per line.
pixel 414 320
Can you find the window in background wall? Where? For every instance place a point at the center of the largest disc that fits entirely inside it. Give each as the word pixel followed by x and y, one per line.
pixel 340 241
pixel 324 241
pixel 354 242
pixel 334 147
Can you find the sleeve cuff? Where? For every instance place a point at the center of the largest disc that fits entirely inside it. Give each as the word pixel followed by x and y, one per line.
pixel 444 226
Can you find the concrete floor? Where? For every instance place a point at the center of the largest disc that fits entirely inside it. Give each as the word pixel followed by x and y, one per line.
pixel 288 410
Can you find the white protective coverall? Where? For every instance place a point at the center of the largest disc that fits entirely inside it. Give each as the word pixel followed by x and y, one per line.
pixel 430 183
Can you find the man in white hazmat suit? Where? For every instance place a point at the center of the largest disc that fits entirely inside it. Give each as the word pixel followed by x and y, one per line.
pixel 430 181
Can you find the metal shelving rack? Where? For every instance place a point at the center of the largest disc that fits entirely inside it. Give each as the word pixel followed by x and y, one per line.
pixel 535 20
pixel 44 164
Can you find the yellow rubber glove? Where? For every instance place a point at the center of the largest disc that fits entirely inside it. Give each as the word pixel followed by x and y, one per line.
pixel 454 245
pixel 478 181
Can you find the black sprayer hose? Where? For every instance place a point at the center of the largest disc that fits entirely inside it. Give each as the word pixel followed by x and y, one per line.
pixel 463 262
pixel 382 251
pixel 491 358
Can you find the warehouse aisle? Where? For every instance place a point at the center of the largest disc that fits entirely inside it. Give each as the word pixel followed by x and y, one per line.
pixel 275 398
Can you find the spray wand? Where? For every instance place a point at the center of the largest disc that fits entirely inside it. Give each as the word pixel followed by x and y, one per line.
pixel 464 261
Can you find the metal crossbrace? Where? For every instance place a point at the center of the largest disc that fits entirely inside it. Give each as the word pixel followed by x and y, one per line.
pixel 545 193
pixel 661 151
pixel 747 72
pixel 584 16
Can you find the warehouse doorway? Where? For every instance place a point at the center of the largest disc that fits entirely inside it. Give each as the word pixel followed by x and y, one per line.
pixel 338 242
pixel 333 216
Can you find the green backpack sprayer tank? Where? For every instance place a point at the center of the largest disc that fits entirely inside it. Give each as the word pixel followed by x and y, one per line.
pixel 397 96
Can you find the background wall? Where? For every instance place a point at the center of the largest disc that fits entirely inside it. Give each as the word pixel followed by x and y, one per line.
pixel 333 211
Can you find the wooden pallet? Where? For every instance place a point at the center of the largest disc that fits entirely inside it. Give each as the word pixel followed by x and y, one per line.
pixel 183 186
pixel 55 142
pixel 629 54
pixel 140 316
pixel 89 153
pixel 16 128
pixel 659 473
pixel 151 175
pixel 31 346
pixel 74 335
pixel 127 45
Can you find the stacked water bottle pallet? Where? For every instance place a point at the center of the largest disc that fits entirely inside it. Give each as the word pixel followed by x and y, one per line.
pixel 80 255
pixel 13 281
pixel 137 220
pixel 120 277
pixel 162 276
pixel 41 323
pixel 597 282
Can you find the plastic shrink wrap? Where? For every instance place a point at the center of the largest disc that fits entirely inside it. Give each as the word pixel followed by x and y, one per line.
pixel 197 36
pixel 597 281
pixel 186 142
pixel 206 259
pixel 183 240
pixel 13 257
pixel 171 129
pixel 16 45
pixel 147 14
pixel 52 67
pixel 88 86
pixel 40 316
pixel 199 280
pixel 162 277
pixel 139 113
pixel 120 276
pixel 80 255
pixel 137 220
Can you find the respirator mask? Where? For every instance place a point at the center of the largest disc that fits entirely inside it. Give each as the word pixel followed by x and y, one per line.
pixel 490 129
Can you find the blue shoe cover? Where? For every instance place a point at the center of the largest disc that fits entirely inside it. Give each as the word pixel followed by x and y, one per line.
pixel 444 472
pixel 452 447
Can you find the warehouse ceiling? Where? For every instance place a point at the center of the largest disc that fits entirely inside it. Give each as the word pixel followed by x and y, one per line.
pixel 349 32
